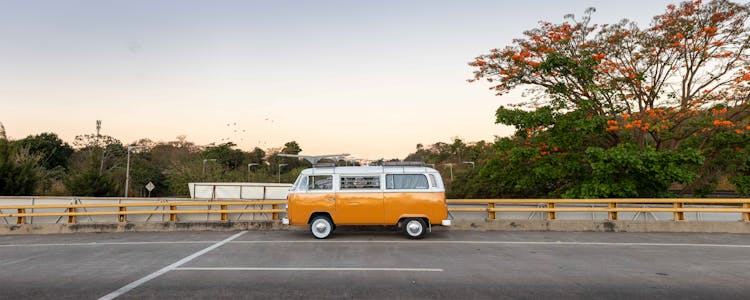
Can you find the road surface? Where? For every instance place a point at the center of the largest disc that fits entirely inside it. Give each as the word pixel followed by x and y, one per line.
pixel 375 265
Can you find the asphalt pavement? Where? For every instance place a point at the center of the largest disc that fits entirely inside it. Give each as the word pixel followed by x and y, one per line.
pixel 376 265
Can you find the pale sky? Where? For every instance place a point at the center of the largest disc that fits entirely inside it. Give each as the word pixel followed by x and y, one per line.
pixel 370 78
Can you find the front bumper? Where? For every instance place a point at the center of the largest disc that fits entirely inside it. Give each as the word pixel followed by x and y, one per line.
pixel 446 223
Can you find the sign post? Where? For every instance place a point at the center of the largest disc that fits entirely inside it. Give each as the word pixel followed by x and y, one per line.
pixel 150 187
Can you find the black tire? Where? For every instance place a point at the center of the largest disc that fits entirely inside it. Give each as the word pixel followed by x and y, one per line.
pixel 321 227
pixel 415 228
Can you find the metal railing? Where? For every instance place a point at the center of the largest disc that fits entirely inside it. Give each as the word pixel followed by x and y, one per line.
pixel 120 212
pixel 676 206
pixel 170 209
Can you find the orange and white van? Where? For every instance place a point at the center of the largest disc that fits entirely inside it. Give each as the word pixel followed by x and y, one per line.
pixel 411 197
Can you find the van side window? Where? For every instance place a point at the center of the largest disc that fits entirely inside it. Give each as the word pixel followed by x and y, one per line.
pixel 320 182
pixel 434 181
pixel 360 182
pixel 406 182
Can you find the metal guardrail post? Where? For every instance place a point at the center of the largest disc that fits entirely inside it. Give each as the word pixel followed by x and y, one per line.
pixel 490 211
pixel 72 218
pixel 122 218
pixel 31 220
pixel 551 215
pixel 172 216
pixel 613 214
pixel 21 219
pixel 678 215
pixel 746 215
pixel 275 215
pixel 224 217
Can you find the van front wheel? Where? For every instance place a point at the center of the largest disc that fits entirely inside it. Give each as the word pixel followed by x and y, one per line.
pixel 415 228
pixel 321 227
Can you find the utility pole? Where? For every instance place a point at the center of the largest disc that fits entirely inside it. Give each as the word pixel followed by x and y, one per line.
pixel 127 169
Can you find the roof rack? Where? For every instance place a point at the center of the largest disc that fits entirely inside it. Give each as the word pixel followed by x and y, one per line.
pixel 314 159
pixel 324 165
pixel 403 164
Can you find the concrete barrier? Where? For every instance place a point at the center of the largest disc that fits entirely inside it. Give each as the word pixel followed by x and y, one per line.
pixel 493 225
pixel 605 226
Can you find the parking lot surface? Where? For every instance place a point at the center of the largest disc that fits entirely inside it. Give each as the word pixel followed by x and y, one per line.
pixel 375 265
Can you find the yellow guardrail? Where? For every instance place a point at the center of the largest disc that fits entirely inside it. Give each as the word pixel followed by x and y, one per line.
pixel 120 210
pixel 677 206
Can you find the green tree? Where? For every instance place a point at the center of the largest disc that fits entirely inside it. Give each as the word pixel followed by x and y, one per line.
pixel 291 148
pixel 97 166
pixel 54 152
pixel 226 155
pixel 19 170
pixel 89 182
pixel 257 155
pixel 607 100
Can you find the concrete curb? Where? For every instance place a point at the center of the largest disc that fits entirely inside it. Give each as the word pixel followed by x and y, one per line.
pixel 139 227
pixel 605 226
pixel 494 225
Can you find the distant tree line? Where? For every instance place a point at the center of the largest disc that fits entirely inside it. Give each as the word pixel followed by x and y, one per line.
pixel 95 165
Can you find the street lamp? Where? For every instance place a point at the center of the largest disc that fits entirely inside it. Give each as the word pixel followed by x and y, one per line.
pixel 248 168
pixel 127 169
pixel 450 165
pixel 204 165
pixel 279 171
pixel 470 163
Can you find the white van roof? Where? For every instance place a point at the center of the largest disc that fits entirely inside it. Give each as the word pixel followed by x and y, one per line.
pixel 368 170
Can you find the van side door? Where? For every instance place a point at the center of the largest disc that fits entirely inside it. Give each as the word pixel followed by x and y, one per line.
pixel 359 199
pixel 412 195
pixel 318 196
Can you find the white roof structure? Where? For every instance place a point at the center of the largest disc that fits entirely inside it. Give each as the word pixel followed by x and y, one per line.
pixel 238 190
pixel 368 170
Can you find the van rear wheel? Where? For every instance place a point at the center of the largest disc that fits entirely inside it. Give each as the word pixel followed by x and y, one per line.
pixel 415 228
pixel 321 227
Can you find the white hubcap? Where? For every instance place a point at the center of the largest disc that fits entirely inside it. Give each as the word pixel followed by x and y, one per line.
pixel 321 228
pixel 414 228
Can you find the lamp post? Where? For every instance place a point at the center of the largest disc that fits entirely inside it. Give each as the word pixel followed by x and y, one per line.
pixel 451 166
pixel 127 169
pixel 470 163
pixel 279 172
pixel 204 165
pixel 248 168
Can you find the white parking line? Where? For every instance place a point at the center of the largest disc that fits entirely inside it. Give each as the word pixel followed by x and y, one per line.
pixel 312 269
pixel 107 243
pixel 555 243
pixel 168 268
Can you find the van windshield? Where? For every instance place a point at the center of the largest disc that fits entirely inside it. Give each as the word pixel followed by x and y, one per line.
pixel 300 184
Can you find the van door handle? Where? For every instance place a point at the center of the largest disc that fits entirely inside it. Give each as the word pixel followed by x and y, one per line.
pixel 331 198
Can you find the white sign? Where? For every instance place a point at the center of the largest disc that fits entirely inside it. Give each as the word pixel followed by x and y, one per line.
pixel 150 186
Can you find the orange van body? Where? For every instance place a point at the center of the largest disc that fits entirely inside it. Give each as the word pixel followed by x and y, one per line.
pixel 370 203
pixel 359 209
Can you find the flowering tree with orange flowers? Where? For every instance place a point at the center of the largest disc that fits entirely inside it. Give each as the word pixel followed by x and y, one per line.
pixel 678 86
